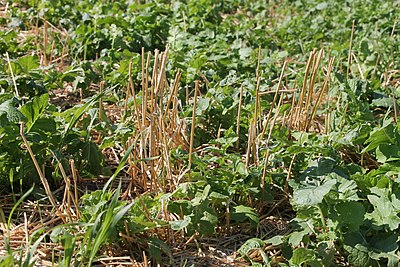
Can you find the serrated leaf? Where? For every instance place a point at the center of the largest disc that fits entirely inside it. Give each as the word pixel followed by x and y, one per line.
pixel 253 243
pixel 11 113
pixel 302 255
pixel 385 211
pixel 347 189
pixel 27 63
pixel 358 257
pixel 385 102
pixel 34 109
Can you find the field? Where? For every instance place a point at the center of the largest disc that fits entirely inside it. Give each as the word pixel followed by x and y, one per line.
pixel 199 133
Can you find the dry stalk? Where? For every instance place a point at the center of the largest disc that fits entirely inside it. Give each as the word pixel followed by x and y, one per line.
pixel 196 89
pixel 267 153
pixel 75 178
pixel 324 89
pixel 293 110
pixel 250 140
pixel 130 91
pixel 285 189
pixel 350 50
pixel 45 42
pixel 66 204
pixel 238 117
pixel 146 264
pixel 273 101
pixel 256 116
pixel 303 89
pixel 12 76
pixel 159 128
pixel 312 84
pixel 41 175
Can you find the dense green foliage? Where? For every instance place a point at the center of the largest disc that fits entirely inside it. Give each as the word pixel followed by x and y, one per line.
pixel 343 181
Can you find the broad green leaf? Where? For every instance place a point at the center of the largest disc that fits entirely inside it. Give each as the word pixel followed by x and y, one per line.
pixel 46 124
pixel 381 135
pixel 386 209
pixel 158 247
pixel 245 52
pixel 242 213
pixel 384 242
pixel 387 152
pixel 358 256
pixel 139 224
pixel 206 225
pixel 383 101
pixel 384 246
pixel 322 6
pixel 253 243
pixel 296 237
pixel 93 158
pixel 312 195
pixel 180 224
pixel 275 241
pixel 350 214
pixel 347 189
pixel 12 114
pixel 302 255
pixel 34 109
pixel 216 197
pixel 27 63
pixel 202 105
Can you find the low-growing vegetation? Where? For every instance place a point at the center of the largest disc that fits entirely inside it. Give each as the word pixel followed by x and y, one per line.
pixel 199 133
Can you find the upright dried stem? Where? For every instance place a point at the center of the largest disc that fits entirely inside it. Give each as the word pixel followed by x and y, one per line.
pixel 41 175
pixel 350 50
pixel 324 89
pixel 311 84
pixel 274 100
pixel 196 89
pixel 304 89
pixel 238 117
